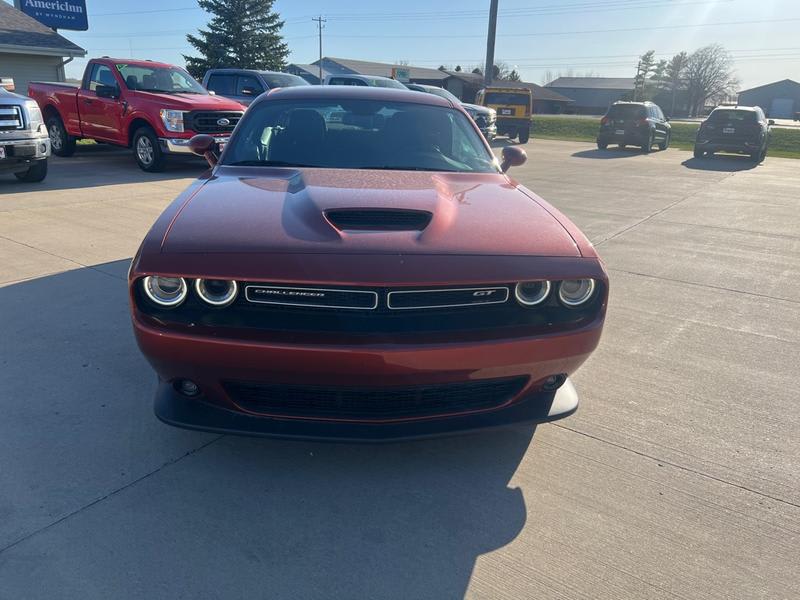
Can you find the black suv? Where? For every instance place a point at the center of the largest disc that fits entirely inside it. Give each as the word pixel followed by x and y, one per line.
pixel 635 124
pixel 741 129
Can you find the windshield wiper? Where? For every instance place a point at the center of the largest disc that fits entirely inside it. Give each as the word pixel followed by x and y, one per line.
pixel 394 168
pixel 154 91
pixel 270 163
pixel 186 92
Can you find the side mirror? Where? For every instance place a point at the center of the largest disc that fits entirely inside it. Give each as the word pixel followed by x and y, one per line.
pixel 107 91
pixel 666 119
pixel 771 121
pixel 204 145
pixel 513 157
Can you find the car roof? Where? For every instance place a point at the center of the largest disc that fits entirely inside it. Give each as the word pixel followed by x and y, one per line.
pixel 633 103
pixel 344 92
pixel 237 70
pixel 742 108
pixel 135 62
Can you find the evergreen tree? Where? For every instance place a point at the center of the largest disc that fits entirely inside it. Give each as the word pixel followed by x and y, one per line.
pixel 242 33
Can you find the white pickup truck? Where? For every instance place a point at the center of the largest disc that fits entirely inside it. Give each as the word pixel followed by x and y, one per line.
pixel 24 143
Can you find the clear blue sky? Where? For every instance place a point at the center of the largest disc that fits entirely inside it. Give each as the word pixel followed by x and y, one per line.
pixel 534 36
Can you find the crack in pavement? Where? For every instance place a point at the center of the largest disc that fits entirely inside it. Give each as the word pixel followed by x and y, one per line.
pixel 109 494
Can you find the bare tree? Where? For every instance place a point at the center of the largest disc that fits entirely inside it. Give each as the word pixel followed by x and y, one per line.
pixel 709 76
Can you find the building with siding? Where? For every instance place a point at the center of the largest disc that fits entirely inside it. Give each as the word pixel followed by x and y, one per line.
pixel 779 100
pixel 592 95
pixel 30 51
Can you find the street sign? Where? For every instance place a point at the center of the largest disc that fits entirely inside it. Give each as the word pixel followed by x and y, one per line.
pixel 400 74
pixel 58 14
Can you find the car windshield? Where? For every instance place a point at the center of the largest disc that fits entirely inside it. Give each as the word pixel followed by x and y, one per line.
pixel 507 98
pixel 358 134
pixel 164 80
pixel 276 80
pixel 437 91
pixel 732 116
pixel 386 83
pixel 627 111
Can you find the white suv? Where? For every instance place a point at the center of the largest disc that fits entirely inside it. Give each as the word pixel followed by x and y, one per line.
pixel 366 80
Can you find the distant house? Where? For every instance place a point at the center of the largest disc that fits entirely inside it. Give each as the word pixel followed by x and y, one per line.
pixel 779 100
pixel 29 51
pixel 592 95
pixel 462 84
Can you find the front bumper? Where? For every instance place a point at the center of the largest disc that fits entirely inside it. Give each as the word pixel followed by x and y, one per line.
pixel 174 409
pixel 209 361
pixel 19 154
pixel 181 145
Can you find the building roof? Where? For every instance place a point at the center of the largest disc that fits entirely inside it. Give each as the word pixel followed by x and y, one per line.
pixel 539 92
pixel 595 83
pixel 758 87
pixel 365 67
pixel 21 34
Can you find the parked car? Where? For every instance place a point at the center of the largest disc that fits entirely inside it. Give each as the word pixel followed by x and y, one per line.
pixel 634 124
pixel 513 107
pixel 485 118
pixel 244 85
pixel 372 276
pixel 154 108
pixel 24 144
pixel 740 129
pixel 363 80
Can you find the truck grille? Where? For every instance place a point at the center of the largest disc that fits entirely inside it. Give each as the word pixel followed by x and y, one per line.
pixel 213 121
pixel 373 403
pixel 11 118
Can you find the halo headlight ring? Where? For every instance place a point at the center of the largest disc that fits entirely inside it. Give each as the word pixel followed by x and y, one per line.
pixel 528 298
pixel 216 299
pixel 576 292
pixel 167 292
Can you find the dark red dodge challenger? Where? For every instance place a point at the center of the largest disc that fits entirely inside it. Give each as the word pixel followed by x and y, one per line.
pixel 357 265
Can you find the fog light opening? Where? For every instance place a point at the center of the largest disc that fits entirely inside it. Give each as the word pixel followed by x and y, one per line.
pixel 554 382
pixel 187 387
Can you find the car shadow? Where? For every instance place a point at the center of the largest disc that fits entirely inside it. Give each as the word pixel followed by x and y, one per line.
pixel 101 164
pixel 729 163
pixel 89 468
pixel 609 153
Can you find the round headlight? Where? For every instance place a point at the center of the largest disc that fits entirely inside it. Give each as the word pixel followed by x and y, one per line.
pixel 165 291
pixel 574 292
pixel 531 293
pixel 216 292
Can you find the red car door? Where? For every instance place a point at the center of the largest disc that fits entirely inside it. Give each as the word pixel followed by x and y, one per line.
pixel 101 113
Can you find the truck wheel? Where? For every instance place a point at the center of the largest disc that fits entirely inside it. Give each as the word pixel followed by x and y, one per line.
pixel 648 145
pixel 35 173
pixel 698 153
pixel 602 145
pixel 61 142
pixel 147 151
pixel 524 136
pixel 665 144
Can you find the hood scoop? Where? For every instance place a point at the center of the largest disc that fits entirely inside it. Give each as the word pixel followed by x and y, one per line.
pixel 378 219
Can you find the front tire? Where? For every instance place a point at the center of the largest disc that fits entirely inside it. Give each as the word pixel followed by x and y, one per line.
pixel 35 173
pixel 147 151
pixel 524 136
pixel 699 153
pixel 61 142
pixel 665 144
pixel 602 145
pixel 648 145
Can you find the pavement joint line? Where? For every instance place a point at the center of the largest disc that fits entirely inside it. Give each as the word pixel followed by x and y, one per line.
pixel 114 492
pixel 75 262
pixel 706 285
pixel 723 227
pixel 658 212
pixel 677 466
pixel 701 499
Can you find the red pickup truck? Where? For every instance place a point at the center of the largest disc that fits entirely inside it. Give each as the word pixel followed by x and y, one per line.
pixel 154 108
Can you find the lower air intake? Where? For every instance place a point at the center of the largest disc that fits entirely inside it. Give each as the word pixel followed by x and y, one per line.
pixel 373 403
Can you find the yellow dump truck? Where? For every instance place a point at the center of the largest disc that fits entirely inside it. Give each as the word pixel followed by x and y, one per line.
pixel 513 106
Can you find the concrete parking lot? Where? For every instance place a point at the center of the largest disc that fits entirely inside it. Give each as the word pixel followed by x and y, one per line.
pixel 679 477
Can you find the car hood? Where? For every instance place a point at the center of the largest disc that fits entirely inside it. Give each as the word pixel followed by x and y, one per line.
pixel 477 108
pixel 192 101
pixel 281 210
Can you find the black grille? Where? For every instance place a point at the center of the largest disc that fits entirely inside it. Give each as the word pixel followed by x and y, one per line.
pixel 10 118
pixel 207 121
pixel 373 403
pixel 379 219
pixel 311 297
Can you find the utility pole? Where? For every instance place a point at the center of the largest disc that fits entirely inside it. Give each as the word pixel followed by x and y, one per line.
pixel 320 26
pixel 488 72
